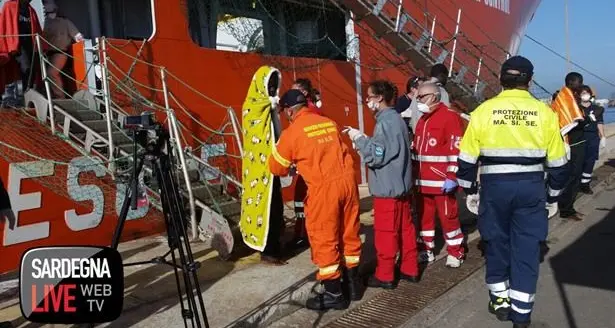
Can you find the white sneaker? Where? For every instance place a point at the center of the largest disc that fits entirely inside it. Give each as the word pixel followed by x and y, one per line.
pixel 453 262
pixel 426 257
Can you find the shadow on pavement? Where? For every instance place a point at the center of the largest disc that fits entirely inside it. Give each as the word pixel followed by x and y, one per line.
pixel 583 263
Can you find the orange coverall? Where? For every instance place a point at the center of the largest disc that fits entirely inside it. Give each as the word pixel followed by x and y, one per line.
pixel 313 142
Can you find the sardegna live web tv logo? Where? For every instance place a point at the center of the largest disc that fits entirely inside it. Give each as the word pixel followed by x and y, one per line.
pixel 71 284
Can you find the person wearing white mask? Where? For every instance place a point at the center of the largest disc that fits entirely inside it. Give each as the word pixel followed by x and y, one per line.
pixel 434 152
pixel 387 156
pixel 593 132
pixel 60 32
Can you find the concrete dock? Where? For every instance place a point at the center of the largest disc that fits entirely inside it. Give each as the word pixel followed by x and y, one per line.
pixel 241 292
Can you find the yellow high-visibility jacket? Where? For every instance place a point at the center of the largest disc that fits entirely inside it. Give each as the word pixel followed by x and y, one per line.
pixel 512 135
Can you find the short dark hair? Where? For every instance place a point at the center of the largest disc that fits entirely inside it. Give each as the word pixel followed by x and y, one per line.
pixel 440 72
pixel 586 88
pixel 514 81
pixel 414 82
pixel 573 77
pixel 306 85
pixel 384 88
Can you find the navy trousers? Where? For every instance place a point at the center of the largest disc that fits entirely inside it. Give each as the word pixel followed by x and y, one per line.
pixel 592 151
pixel 512 220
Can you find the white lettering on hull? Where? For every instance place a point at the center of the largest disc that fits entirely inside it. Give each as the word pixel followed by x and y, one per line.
pixel 41 230
pixel 501 5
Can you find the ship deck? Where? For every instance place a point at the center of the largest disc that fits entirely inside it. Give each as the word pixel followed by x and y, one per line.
pixel 575 285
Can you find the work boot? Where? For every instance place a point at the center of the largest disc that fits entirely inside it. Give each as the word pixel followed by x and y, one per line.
pixel 500 308
pixel 586 189
pixel 426 257
pixel 453 262
pixel 353 284
pixel 331 298
pixel 409 278
pixel 521 325
pixel 377 283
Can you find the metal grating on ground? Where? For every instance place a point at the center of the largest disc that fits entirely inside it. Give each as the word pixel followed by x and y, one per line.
pixel 392 308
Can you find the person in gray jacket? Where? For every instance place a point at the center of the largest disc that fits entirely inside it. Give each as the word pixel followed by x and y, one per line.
pixel 387 155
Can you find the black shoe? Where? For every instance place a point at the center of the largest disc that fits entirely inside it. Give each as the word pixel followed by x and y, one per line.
pixel 409 278
pixel 500 308
pixel 376 283
pixel 297 244
pixel 586 189
pixel 332 298
pixel 353 284
pixel 521 325
pixel 6 324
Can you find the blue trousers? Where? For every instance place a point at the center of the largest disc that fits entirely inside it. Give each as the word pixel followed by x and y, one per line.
pixel 512 220
pixel 592 151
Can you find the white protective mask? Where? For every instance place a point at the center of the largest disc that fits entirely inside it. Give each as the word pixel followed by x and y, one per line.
pixel 372 105
pixel 318 104
pixel 423 107
pixel 586 97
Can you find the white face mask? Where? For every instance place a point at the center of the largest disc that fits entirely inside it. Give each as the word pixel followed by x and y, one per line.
pixel 423 107
pixel 586 97
pixel 51 15
pixel 318 104
pixel 372 105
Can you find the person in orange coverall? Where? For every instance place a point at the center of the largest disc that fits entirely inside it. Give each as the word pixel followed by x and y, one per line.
pixel 313 143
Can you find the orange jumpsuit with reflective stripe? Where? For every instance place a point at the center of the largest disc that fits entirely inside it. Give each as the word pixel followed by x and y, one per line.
pixel 313 142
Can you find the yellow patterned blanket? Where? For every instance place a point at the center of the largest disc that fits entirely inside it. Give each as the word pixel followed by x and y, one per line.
pixel 258 142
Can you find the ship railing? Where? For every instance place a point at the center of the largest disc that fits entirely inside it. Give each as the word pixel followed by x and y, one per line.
pixel 152 101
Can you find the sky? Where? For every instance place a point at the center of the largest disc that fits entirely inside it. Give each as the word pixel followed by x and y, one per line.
pixel 592 42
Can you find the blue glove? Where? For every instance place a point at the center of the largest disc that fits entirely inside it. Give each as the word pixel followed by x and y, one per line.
pixel 449 185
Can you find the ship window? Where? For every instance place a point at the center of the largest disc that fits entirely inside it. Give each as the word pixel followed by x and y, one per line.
pixel 126 19
pixel 306 28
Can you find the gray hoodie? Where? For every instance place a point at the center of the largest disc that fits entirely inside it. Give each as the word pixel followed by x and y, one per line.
pixel 387 156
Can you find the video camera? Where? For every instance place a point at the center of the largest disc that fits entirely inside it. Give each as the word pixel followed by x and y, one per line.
pixel 147 132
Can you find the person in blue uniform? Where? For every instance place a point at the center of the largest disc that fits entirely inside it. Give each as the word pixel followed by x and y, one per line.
pixel 513 136
pixel 593 134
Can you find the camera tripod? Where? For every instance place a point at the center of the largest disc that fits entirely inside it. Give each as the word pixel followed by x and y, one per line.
pixel 158 153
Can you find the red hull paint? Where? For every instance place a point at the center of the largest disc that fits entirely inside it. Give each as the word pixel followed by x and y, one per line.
pixel 225 77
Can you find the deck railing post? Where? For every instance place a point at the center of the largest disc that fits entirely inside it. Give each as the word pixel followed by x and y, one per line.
pixel 107 96
pixel 450 71
pixel 433 31
pixel 39 48
pixel 174 132
pixel 480 64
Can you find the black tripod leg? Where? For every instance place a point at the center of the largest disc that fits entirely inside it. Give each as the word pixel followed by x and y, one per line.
pixel 130 193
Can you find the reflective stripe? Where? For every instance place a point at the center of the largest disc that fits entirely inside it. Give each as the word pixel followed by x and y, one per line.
pixel 298 204
pixel 329 270
pixel 452 168
pixel 498 286
pixel 351 259
pixel 300 215
pixel 586 180
pixel 452 158
pixel 429 183
pixel 587 175
pixel 521 296
pixel 510 168
pixel 533 153
pixel 427 233
pixel 468 158
pixel 453 233
pixel 502 294
pixel 558 162
pixel 555 193
pixel 283 161
pixel 427 158
pixel 455 242
pixel 519 310
pixel 464 183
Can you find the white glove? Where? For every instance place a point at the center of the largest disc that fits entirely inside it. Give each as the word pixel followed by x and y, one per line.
pixel 7 214
pixel 552 209
pixel 602 142
pixel 352 133
pixel 286 181
pixel 472 202
pixel 567 146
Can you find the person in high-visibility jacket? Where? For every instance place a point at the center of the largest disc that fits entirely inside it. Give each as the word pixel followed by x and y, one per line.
pixel 514 137
pixel 313 143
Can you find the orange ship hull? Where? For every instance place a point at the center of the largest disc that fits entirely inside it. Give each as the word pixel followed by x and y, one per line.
pixel 491 28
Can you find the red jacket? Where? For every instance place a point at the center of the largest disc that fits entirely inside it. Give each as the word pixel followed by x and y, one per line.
pixel 435 149
pixel 9 45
